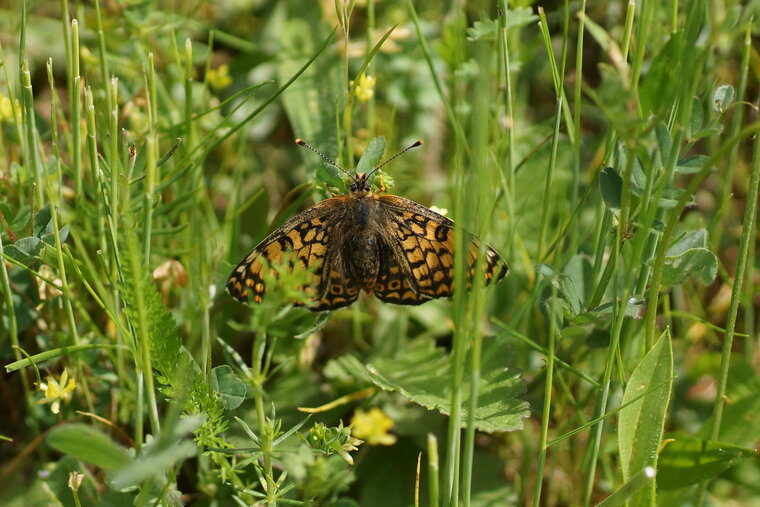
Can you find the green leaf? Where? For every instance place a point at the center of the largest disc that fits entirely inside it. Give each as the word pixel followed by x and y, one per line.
pixel 699 262
pixel 229 386
pixel 485 30
pixel 372 155
pixel 155 463
pixel 423 376
pixel 49 237
pixel 697 117
pixel 24 250
pixel 722 98
pixel 330 175
pixel 87 444
pixel 346 370
pixel 658 86
pixel 691 165
pixel 664 142
pixel 570 294
pixel 641 423
pixel 42 221
pixel 611 185
pixel 671 196
pixel 519 16
pixel 147 314
pixel 692 239
pixel 689 460
pixel 18 220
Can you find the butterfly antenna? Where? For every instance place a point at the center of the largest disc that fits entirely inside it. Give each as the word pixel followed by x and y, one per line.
pixel 327 159
pixel 397 155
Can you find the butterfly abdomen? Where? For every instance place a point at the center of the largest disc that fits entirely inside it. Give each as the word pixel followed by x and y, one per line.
pixel 363 255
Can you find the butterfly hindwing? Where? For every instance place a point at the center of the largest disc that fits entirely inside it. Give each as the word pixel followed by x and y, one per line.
pixel 336 289
pixel 393 285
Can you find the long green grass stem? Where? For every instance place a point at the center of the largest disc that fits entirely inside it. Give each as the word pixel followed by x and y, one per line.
pixel 75 104
pixel 547 404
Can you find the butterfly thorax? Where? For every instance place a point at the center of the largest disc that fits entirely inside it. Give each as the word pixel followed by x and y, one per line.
pixel 362 243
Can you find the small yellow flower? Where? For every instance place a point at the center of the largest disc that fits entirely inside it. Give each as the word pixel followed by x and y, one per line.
pixel 6 111
pixel 219 78
pixel 365 89
pixel 57 391
pixel 372 427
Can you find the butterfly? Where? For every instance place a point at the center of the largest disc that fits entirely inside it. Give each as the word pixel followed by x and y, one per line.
pixel 386 245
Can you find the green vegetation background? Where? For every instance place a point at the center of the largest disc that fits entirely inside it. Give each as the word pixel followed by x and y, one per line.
pixel 607 150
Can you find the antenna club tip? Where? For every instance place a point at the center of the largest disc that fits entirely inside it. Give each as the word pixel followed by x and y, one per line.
pixel 299 141
pixel 419 142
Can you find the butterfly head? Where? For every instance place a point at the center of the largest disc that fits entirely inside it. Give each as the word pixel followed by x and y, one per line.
pixel 360 184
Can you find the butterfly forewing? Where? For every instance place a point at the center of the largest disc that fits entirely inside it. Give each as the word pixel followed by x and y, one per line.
pixel 425 247
pixel 306 238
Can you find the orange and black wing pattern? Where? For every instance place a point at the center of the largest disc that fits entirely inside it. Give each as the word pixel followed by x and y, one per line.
pixel 305 239
pixel 422 245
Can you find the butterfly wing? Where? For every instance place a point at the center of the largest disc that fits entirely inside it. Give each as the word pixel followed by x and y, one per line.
pixel 307 238
pixel 422 243
pixel 336 288
pixel 393 284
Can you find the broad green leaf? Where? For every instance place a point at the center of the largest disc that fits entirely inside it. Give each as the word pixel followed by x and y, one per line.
pixel 87 444
pixel 229 386
pixel 611 185
pixel 423 376
pixel 699 262
pixel 641 423
pixel 722 98
pixel 689 460
pixel 691 165
pixel 24 250
pixel 18 220
pixel 372 155
pixel 49 237
pixel 671 196
pixel 330 175
pixel 692 239
pixel 346 370
pixel 155 463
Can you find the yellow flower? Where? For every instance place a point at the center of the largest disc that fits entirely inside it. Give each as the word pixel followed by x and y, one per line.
pixel 6 111
pixel 365 89
pixel 57 391
pixel 219 78
pixel 372 427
